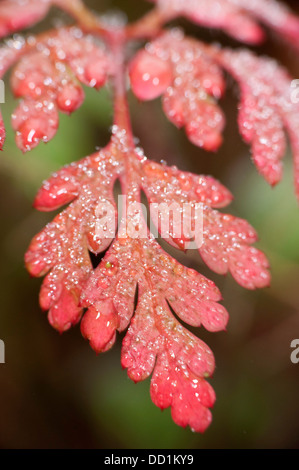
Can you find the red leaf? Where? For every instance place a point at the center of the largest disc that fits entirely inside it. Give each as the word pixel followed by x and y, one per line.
pixel 99 325
pixel 35 121
pixel 70 97
pixel 8 56
pixel 150 76
pixel 266 109
pixel 189 76
pixel 238 18
pixel 269 101
pixel 226 239
pixel 16 15
pixel 156 341
pixel 188 396
pixel 46 79
pixel 62 247
pixel 2 133
pixel 87 58
pixel 135 265
pixel 189 81
pixel 190 187
pixel 33 76
pixel 65 312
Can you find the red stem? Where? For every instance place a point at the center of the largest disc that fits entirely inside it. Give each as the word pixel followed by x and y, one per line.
pixel 146 27
pixel 121 109
pixel 85 19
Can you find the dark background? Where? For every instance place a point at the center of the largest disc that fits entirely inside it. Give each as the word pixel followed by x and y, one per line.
pixel 54 391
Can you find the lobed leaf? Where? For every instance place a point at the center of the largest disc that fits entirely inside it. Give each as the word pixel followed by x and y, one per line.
pixel 238 18
pixel 268 109
pixel 16 14
pixel 225 242
pixel 154 334
pixel 62 247
pixel 47 78
pixel 269 97
pixel 20 14
pixel 135 266
pixel 8 56
pixel 189 81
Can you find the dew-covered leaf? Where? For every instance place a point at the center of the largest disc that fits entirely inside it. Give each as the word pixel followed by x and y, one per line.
pixel 190 82
pixel 62 247
pixel 238 18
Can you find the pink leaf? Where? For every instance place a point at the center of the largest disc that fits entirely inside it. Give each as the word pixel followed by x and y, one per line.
pixel 34 76
pixel 156 341
pixel 35 121
pixel 238 18
pixel 2 133
pixel 190 187
pixel 226 248
pixel 70 97
pixel 150 76
pixel 62 247
pixel 46 79
pixel 189 396
pixel 99 325
pixel 267 110
pixel 8 56
pixel 226 240
pixel 269 101
pixel 65 311
pixel 16 15
pixel 88 60
pixel 189 81
pixel 135 266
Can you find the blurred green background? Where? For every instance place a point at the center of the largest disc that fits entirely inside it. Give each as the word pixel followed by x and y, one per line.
pixel 54 391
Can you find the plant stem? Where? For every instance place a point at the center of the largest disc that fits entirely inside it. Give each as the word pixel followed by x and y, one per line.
pixel 146 27
pixel 85 19
pixel 121 109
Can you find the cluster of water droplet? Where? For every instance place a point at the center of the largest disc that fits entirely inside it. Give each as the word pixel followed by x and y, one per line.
pixel 190 82
pixel 238 18
pixel 266 110
pixel 48 79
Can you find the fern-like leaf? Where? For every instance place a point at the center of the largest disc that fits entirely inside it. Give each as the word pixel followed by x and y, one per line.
pixel 48 73
pixel 189 75
pixel 238 18
pixel 155 342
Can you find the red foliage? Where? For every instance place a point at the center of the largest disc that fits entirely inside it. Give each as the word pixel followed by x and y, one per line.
pixel 189 76
pixel 190 83
pixel 109 290
pixel 266 111
pixel 238 18
pixel 48 80
pixel 17 15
